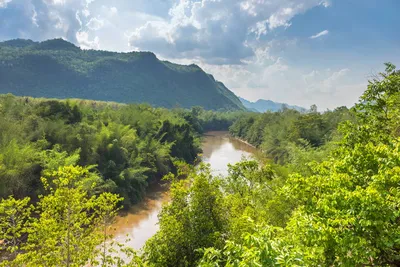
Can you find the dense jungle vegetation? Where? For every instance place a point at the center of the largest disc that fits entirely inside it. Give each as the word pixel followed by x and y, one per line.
pixel 285 134
pixel 128 146
pixel 328 193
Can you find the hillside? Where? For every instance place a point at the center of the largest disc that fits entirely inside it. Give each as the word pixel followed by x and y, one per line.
pixel 262 105
pixel 59 69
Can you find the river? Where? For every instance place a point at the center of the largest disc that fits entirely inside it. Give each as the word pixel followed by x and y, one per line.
pixel 140 223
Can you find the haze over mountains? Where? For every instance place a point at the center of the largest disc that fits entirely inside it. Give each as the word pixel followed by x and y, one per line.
pixel 59 69
pixel 263 105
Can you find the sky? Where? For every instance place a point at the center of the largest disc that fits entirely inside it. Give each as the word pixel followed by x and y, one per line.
pixel 300 52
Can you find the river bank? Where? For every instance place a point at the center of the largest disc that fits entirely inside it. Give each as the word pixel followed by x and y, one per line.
pixel 134 227
pixel 244 141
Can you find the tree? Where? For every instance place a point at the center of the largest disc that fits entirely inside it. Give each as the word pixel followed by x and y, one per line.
pixel 105 213
pixel 14 215
pixel 379 106
pixel 313 109
pixel 65 233
pixel 194 219
pixel 18 164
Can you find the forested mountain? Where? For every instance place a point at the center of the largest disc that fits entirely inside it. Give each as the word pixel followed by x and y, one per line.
pixel 263 105
pixel 59 69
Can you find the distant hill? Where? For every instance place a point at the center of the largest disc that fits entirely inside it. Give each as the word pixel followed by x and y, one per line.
pixel 262 105
pixel 59 69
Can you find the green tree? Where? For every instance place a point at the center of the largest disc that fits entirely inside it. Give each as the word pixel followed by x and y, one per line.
pixel 14 215
pixel 65 233
pixel 194 219
pixel 105 212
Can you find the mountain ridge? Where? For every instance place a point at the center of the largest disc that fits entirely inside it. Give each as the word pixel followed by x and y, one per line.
pixel 263 105
pixel 59 69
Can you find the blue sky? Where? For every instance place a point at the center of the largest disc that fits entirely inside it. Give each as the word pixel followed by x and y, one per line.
pixel 300 52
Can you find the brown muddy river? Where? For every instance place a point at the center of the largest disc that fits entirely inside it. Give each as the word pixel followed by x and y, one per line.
pixel 140 223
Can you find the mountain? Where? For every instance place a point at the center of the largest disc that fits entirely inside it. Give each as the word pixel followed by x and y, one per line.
pixel 262 105
pixel 59 69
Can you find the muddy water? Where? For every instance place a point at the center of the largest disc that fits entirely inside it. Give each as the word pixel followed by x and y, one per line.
pixel 140 223
pixel 219 150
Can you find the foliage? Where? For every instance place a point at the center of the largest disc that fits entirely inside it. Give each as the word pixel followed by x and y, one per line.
pixel 194 219
pixel 64 229
pixel 128 146
pixel 63 234
pixel 341 210
pixel 13 218
pixel 276 133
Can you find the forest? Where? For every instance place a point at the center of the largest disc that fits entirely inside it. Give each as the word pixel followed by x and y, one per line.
pixel 325 193
pixel 128 146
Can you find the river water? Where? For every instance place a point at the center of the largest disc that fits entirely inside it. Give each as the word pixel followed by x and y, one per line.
pixel 140 223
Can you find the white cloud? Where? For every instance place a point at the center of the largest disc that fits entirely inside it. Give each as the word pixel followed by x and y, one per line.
pixel 220 32
pixel 260 28
pixel 3 3
pixel 320 34
pixel 95 24
pixel 113 11
pixel 269 75
pixel 34 17
pixel 281 18
pixel 154 30
pixel 332 81
pixel 326 3
pixel 274 78
pixel 278 67
pixel 85 43
pixel 324 81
